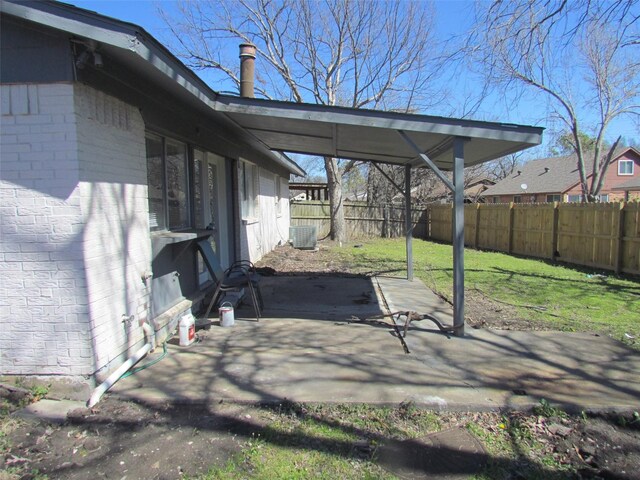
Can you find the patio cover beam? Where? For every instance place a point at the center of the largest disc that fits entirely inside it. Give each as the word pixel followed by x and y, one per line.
pixel 423 156
pixel 457 224
pixel 407 221
pixel 398 187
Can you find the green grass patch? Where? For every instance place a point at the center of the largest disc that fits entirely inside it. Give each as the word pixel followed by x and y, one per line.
pixel 554 296
pixel 321 441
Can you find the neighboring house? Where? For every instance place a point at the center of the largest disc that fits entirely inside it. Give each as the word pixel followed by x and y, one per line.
pixel 473 190
pixel 113 164
pixel 630 188
pixel 557 179
pixel 309 191
pixel 437 192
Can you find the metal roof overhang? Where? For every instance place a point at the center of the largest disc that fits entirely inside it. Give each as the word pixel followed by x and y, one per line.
pixel 370 135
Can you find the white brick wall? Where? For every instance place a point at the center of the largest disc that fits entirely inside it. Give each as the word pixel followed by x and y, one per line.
pixel 43 306
pixel 116 244
pixel 74 243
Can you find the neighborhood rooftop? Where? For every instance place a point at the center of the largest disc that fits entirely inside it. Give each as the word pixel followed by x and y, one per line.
pixel 552 174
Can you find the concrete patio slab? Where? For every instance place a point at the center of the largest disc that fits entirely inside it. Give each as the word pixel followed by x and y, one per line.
pixel 306 349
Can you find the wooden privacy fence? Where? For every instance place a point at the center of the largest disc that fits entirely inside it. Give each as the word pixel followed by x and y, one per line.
pixel 601 235
pixel 361 220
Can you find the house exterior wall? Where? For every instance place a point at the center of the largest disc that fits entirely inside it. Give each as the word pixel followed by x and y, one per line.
pixel 284 218
pixel 525 198
pixel 270 226
pixel 116 248
pixel 31 54
pixel 45 313
pixel 613 179
pixel 75 236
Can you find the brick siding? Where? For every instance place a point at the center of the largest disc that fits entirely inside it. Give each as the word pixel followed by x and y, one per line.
pixel 75 245
pixel 45 325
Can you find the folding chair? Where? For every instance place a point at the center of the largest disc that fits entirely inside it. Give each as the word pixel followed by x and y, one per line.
pixel 239 275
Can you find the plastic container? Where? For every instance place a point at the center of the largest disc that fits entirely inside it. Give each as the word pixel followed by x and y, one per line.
pixel 187 330
pixel 226 314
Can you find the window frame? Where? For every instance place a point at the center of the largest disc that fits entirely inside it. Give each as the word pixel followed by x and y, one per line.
pixel 574 198
pixel 622 162
pixel 188 222
pixel 249 191
pixel 554 197
pixel 517 199
pixel 165 225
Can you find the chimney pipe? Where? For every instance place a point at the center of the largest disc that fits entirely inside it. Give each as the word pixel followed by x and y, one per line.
pixel 247 69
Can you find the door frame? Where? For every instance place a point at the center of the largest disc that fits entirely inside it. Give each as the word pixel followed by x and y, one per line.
pixel 220 235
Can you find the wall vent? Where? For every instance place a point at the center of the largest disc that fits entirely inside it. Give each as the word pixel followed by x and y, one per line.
pixel 303 236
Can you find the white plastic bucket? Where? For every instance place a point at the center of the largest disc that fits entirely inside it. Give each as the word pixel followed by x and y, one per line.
pixel 187 330
pixel 226 314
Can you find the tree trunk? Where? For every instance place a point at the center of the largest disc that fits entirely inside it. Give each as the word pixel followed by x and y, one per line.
pixel 334 179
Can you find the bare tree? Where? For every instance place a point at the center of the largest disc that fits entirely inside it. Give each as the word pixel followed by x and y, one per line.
pixel 354 53
pixel 583 56
pixel 503 167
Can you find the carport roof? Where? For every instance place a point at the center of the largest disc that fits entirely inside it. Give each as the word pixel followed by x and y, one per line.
pixel 372 135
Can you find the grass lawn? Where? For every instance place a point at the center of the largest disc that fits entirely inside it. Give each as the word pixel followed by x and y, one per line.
pixel 553 296
pixel 318 441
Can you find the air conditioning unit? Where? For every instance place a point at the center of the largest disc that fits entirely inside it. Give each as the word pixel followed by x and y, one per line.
pixel 303 236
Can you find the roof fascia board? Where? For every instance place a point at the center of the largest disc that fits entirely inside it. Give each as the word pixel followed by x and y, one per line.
pixel 378 119
pixel 284 160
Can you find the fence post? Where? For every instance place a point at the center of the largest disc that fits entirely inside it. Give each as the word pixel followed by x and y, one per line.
pixel 510 228
pixel 617 259
pixel 554 230
pixel 476 240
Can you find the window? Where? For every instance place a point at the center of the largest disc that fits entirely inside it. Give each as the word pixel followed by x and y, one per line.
pixel 177 187
pixel 625 167
pixel 248 189
pixel 574 198
pixel 155 181
pixel 198 210
pixel 495 200
pixel 517 199
pixel 167 183
pixel 603 198
pixel 554 198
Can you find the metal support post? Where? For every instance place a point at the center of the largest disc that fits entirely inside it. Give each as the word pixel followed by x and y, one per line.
pixel 407 221
pixel 458 237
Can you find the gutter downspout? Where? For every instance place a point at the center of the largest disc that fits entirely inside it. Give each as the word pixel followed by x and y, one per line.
pixel 120 371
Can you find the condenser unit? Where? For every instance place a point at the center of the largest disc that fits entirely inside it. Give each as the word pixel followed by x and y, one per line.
pixel 303 236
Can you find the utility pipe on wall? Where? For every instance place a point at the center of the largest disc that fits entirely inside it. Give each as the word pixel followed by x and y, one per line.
pixel 120 371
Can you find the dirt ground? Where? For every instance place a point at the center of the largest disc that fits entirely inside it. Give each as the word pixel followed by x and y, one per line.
pixel 127 441
pixel 124 440
pixel 480 311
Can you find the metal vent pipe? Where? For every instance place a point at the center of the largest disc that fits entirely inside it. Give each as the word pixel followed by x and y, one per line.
pixel 247 69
